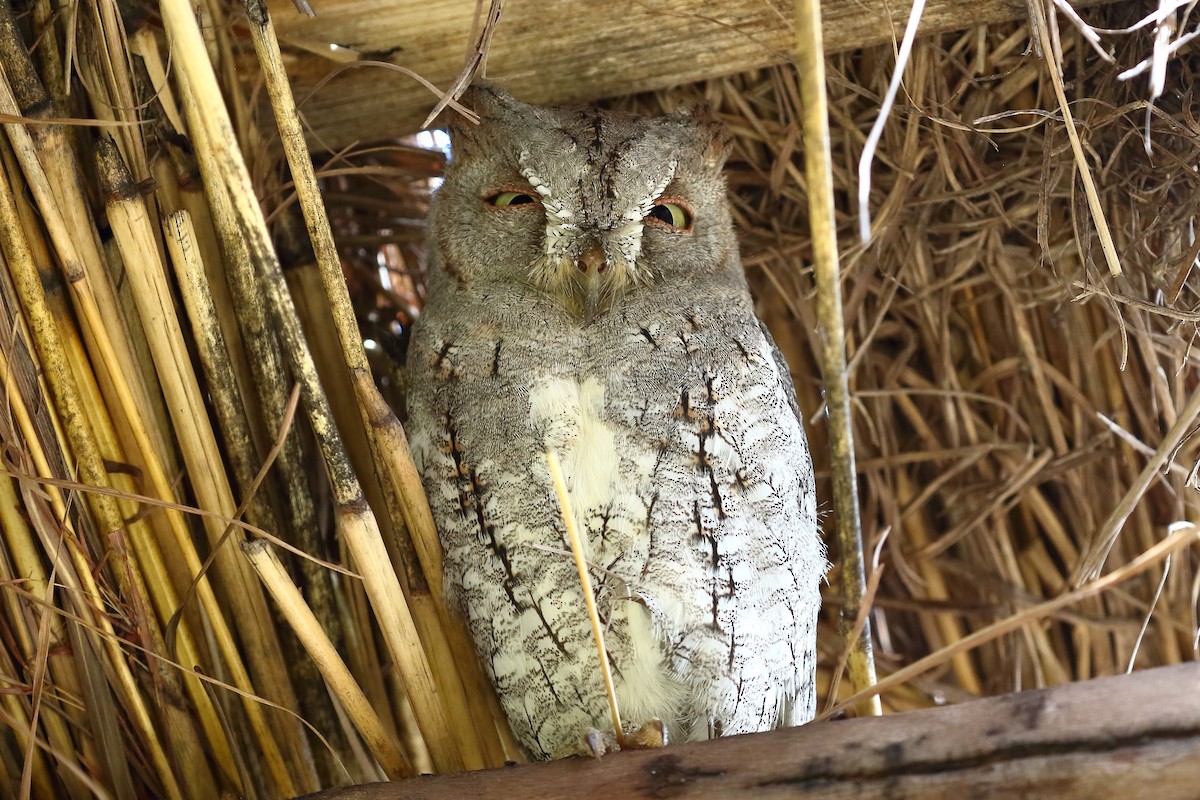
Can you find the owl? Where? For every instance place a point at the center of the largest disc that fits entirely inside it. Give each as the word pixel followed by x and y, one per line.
pixel 586 298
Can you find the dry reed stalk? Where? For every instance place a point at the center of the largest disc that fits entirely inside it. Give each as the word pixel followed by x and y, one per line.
pixel 1093 560
pixel 811 67
pixel 98 712
pixel 137 423
pixel 395 765
pixel 240 305
pixel 355 521
pixel 213 353
pixel 129 219
pixel 585 586
pixel 403 492
pixel 946 629
pixel 239 448
pixel 267 379
pixel 170 132
pixel 66 397
pixel 20 544
pixel 1038 21
pixel 1182 537
pixel 53 173
pixel 143 542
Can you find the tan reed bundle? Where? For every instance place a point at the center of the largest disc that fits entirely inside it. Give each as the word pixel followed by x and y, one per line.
pixel 141 280
pixel 1018 412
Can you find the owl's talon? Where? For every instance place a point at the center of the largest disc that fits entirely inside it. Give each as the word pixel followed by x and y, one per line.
pixel 597 743
pixel 652 733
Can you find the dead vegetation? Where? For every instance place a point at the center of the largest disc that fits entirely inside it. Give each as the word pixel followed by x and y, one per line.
pixel 1023 418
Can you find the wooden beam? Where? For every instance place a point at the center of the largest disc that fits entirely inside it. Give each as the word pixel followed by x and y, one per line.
pixel 1129 736
pixel 553 51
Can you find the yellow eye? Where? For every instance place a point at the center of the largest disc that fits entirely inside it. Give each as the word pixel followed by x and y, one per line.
pixel 507 199
pixel 672 214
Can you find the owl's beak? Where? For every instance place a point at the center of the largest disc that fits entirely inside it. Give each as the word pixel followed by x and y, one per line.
pixel 591 262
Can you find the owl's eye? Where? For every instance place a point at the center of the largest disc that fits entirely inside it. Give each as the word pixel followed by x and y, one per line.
pixel 672 214
pixel 508 199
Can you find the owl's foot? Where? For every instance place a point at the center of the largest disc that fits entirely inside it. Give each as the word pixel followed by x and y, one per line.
pixel 652 733
pixel 597 743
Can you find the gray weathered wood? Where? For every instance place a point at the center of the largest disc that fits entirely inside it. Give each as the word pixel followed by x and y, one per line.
pixel 553 51
pixel 1125 737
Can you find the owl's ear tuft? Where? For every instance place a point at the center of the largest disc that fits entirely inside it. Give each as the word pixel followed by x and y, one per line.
pixel 488 100
pixel 715 144
pixel 714 139
pixel 474 103
pixel 719 145
pixel 463 131
pixel 488 103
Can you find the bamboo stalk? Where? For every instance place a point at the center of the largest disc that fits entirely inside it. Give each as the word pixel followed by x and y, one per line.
pixel 166 602
pixel 810 67
pixel 94 690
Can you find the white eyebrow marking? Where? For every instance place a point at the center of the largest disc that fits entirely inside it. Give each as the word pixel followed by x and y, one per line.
pixel 629 235
pixel 561 228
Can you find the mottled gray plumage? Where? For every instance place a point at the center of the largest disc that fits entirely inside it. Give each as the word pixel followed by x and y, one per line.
pixel 576 319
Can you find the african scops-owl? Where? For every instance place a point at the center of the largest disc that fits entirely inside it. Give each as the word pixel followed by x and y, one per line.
pixel 585 296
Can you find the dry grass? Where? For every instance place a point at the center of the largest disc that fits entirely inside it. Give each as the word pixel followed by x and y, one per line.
pixel 1021 417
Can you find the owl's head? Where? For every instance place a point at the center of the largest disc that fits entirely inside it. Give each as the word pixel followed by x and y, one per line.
pixel 583 205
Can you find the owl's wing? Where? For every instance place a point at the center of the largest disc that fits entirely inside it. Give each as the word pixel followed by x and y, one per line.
pixel 785 371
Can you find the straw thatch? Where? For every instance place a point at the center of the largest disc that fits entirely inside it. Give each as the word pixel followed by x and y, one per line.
pixel 1022 416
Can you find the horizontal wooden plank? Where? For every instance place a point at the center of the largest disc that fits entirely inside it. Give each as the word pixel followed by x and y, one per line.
pixel 554 51
pixel 1129 736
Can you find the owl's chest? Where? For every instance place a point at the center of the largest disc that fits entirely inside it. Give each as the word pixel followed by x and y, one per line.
pixel 645 417
pixel 607 469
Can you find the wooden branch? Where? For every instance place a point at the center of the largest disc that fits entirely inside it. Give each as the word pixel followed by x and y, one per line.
pixel 1129 736
pixel 556 51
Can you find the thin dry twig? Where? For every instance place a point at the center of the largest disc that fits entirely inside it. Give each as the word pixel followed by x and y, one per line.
pixel 585 586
